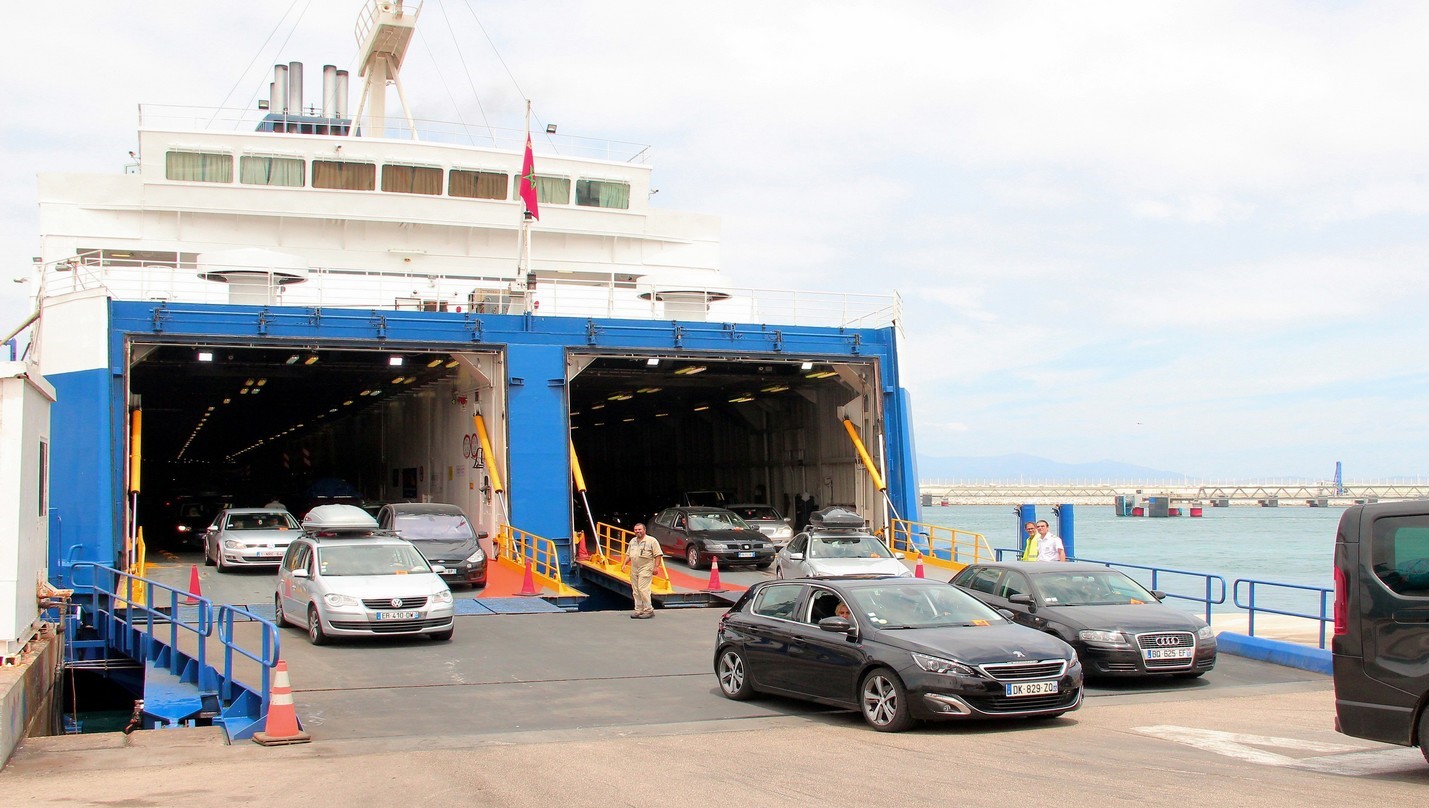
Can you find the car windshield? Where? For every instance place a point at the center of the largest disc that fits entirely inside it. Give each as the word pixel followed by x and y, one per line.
pixel 716 520
pixel 758 512
pixel 380 559
pixel 421 526
pixel 895 605
pixel 1097 588
pixel 262 521
pixel 847 547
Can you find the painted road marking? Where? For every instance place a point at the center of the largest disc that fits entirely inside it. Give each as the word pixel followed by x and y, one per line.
pixel 1335 759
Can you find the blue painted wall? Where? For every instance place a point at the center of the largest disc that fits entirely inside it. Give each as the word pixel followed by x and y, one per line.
pixel 84 492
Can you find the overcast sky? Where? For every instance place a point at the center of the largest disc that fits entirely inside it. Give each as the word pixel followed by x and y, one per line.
pixel 1189 236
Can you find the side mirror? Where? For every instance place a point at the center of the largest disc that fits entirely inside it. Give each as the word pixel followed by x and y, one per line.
pixel 1158 594
pixel 899 556
pixel 438 569
pixel 1007 613
pixel 301 572
pixel 1024 600
pixel 482 534
pixel 796 556
pixel 837 625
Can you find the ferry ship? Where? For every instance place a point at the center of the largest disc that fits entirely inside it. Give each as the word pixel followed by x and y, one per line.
pixel 318 289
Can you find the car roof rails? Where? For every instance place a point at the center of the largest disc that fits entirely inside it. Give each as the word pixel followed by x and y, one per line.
pixel 835 518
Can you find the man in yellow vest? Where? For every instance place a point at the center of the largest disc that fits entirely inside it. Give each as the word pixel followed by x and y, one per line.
pixel 1029 550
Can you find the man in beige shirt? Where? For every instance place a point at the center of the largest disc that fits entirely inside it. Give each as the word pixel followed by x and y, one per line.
pixel 642 553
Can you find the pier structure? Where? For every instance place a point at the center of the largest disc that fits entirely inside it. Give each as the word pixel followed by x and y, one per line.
pixel 1218 495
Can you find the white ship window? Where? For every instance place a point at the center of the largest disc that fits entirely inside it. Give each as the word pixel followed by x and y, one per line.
pixel 198 166
pixel 411 180
pixel 603 194
pixel 477 184
pixel 344 176
pixel 549 190
pixel 288 171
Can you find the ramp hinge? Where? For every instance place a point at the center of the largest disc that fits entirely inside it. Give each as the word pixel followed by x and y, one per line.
pixel 857 341
pixel 474 325
pixel 315 316
pixel 679 335
pixel 590 332
pixel 161 313
pixel 379 323
pixel 263 322
pixel 776 339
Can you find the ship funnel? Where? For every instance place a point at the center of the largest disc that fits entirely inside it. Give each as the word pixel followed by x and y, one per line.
pixel 279 101
pixel 341 93
pixel 295 87
pixel 329 90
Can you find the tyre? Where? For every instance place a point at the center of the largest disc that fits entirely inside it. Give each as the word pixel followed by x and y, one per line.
pixel 316 635
pixel 1424 734
pixel 693 557
pixel 443 636
pixel 279 619
pixel 222 567
pixel 884 701
pixel 207 559
pixel 778 572
pixel 733 675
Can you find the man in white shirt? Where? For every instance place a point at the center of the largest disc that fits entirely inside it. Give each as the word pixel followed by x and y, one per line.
pixel 1049 544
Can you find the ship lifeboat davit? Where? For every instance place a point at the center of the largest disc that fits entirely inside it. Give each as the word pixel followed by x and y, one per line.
pixel 254 275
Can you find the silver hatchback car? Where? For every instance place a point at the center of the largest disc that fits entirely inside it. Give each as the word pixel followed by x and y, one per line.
pixel 353 581
pixel 248 537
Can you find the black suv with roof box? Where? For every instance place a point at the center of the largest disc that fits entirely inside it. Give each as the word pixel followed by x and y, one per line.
pixel 1381 640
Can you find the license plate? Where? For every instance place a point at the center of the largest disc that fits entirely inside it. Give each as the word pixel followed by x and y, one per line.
pixel 1168 653
pixel 397 615
pixel 270 553
pixel 1031 688
pixel 746 555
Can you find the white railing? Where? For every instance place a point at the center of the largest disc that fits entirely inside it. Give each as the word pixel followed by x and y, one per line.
pixel 357 289
pixel 229 119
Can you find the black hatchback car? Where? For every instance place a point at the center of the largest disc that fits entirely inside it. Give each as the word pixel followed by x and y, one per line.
pixel 444 536
pixel 700 534
pixel 1118 627
pixel 898 650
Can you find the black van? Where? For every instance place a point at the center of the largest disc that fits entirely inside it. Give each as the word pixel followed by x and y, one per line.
pixel 1381 641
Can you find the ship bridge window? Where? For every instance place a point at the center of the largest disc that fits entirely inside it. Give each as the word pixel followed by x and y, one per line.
pixel 411 180
pixel 344 176
pixel 477 184
pixel 259 170
pixel 603 194
pixel 198 166
pixel 549 190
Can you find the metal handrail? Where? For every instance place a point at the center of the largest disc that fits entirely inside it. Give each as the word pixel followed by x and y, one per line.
pixel 146 615
pixel 518 547
pixel 939 542
pixel 1325 616
pixel 610 542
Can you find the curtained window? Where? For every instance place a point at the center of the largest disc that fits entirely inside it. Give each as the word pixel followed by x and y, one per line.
pixel 411 180
pixel 477 184
pixel 549 190
pixel 288 171
pixel 603 194
pixel 344 176
pixel 198 166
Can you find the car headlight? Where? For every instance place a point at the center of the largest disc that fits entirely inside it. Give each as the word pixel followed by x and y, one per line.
pixel 336 600
pixel 444 596
pixel 1204 633
pixel 1107 637
pixel 476 557
pixel 946 667
pixel 184 528
pixel 714 545
pixel 783 532
pixel 233 544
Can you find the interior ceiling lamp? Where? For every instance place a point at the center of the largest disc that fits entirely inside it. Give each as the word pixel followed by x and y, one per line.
pixel 741 399
pixel 434 363
pixel 451 363
pixel 776 388
pixel 807 366
pixel 649 390
pixel 702 408
pixel 690 370
pixel 821 374
pixel 394 361
pixel 205 356
pixel 653 361
pixel 312 359
pixel 293 360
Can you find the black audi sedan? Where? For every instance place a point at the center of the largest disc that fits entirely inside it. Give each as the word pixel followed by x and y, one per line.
pixel 898 650
pixel 700 534
pixel 1118 627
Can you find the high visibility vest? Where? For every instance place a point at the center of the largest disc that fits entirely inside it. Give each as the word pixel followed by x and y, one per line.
pixel 1029 553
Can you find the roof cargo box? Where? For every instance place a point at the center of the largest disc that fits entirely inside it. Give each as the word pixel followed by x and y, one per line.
pixel 836 519
pixel 339 518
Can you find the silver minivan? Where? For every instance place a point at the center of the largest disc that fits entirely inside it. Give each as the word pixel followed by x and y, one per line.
pixel 344 577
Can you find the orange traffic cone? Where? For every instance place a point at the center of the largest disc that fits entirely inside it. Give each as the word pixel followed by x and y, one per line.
pixel 195 591
pixel 582 554
pixel 918 568
pixel 281 728
pixel 528 583
pixel 714 584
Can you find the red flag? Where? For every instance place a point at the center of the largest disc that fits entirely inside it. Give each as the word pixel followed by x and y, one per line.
pixel 528 181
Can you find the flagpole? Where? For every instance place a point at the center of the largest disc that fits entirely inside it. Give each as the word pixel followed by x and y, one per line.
pixel 525 264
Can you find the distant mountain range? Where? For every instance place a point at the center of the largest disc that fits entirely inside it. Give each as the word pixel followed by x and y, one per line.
pixel 1014 468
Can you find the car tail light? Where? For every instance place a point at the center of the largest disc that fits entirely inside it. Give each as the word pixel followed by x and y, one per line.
pixel 1342 602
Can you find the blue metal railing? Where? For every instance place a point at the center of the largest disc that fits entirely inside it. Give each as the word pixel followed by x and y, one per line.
pixel 129 625
pixel 1249 603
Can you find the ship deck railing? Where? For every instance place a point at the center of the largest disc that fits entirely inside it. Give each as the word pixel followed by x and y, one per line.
pixel 162 117
pixel 594 295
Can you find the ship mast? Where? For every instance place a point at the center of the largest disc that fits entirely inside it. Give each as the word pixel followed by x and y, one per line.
pixel 384 30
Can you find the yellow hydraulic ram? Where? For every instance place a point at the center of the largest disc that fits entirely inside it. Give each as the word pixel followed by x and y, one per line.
pixel 580 486
pixel 868 464
pixel 491 468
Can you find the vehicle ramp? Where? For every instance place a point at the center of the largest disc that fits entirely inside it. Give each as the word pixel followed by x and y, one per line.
pixel 669 588
pixel 937 546
pixel 530 565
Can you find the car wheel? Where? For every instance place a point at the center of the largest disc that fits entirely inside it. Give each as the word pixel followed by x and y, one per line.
pixel 207 559
pixel 278 619
pixel 884 701
pixel 692 557
pixel 218 560
pixel 733 675
pixel 1424 734
pixel 316 635
pixel 778 571
pixel 443 636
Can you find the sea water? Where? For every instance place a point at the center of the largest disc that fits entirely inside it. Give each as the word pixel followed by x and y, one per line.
pixel 1292 545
